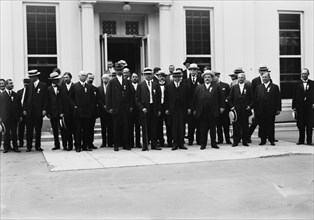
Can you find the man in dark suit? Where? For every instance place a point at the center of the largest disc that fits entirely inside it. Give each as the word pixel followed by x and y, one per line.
pixel 208 103
pixel 241 101
pixel 54 108
pixel 163 118
pixel 223 122
pixel 2 88
pixel 177 106
pixel 35 108
pixel 303 106
pixel 255 82
pixel 92 120
pixel 267 104
pixel 193 124
pixel 82 96
pixel 118 103
pixel 105 116
pixel 22 123
pixel 147 98
pixel 10 112
pixel 155 75
pixel 186 71
pixel 68 129
pixel 134 115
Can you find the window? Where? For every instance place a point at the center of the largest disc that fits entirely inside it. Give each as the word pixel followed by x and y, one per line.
pixel 198 37
pixel 41 39
pixel 290 52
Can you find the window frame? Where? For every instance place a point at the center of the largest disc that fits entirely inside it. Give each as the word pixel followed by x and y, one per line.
pixel 301 55
pixel 211 29
pixel 26 55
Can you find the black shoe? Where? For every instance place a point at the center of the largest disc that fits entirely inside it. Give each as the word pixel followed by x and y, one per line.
pixel 299 143
pixel 39 149
pixel 262 143
pixel 215 146
pixel 5 151
pixel 28 150
pixel 145 149
pixel 126 148
pixel 203 147
pixel 21 145
pixel 234 144
pixel 272 143
pixel 69 149
pixel 183 147
pixel 174 148
pixel 16 150
pixel 249 141
pixel 276 140
pixel 138 146
pixel 77 150
pixel 116 148
pixel 92 147
pixel 65 148
pixel 309 143
pixel 190 143
pixel 102 146
pixel 55 148
pixel 156 148
pixel 219 142
pixel 198 143
pixel 246 144
pixel 228 142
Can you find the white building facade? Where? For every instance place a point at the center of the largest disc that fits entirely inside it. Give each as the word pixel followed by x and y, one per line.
pixel 79 35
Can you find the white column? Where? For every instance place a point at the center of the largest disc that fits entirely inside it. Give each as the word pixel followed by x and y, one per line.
pixel 6 43
pixel 165 35
pixel 88 36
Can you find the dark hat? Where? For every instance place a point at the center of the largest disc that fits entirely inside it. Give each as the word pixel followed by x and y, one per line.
pixel 54 75
pixel 123 63
pixel 161 73
pixel 263 68
pixel 147 71
pixel 216 73
pixel 238 70
pixel 119 66
pixel 208 72
pixel 233 116
pixel 2 128
pixel 26 79
pixel 187 61
pixel 33 73
pixel 193 66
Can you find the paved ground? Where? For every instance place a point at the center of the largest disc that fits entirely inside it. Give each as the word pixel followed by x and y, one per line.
pixel 279 187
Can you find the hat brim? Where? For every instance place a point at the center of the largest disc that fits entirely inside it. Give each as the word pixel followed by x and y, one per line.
pixel 204 74
pixel 193 68
pixel 58 77
pixel 35 74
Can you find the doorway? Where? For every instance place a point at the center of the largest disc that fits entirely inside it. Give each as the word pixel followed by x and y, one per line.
pixel 128 49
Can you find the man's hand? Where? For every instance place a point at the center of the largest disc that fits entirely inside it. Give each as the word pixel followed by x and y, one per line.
pixel 44 113
pixel 167 112
pixel 159 113
pixel 110 111
pixel 189 111
pixel 221 110
pixel 24 113
pixel 194 113
pixel 144 110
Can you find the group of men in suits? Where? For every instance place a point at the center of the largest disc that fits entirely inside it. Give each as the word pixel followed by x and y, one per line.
pixel 128 108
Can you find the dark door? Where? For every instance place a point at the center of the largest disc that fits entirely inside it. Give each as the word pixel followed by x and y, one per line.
pixel 127 49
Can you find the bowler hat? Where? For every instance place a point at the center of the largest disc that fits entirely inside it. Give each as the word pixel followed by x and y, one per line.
pixel 193 66
pixel 2 128
pixel 238 70
pixel 233 116
pixel 147 71
pixel 208 72
pixel 54 75
pixel 263 68
pixel 33 73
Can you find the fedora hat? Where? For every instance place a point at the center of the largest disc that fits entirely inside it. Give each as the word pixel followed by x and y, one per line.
pixel 54 75
pixel 123 63
pixel 33 73
pixel 193 66
pixel 177 72
pixel 233 116
pixel 263 68
pixel 161 73
pixel 147 71
pixel 2 128
pixel 238 70
pixel 119 66
pixel 208 72
pixel 216 73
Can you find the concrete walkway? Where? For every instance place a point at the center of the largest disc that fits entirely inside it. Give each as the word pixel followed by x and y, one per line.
pixel 60 160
